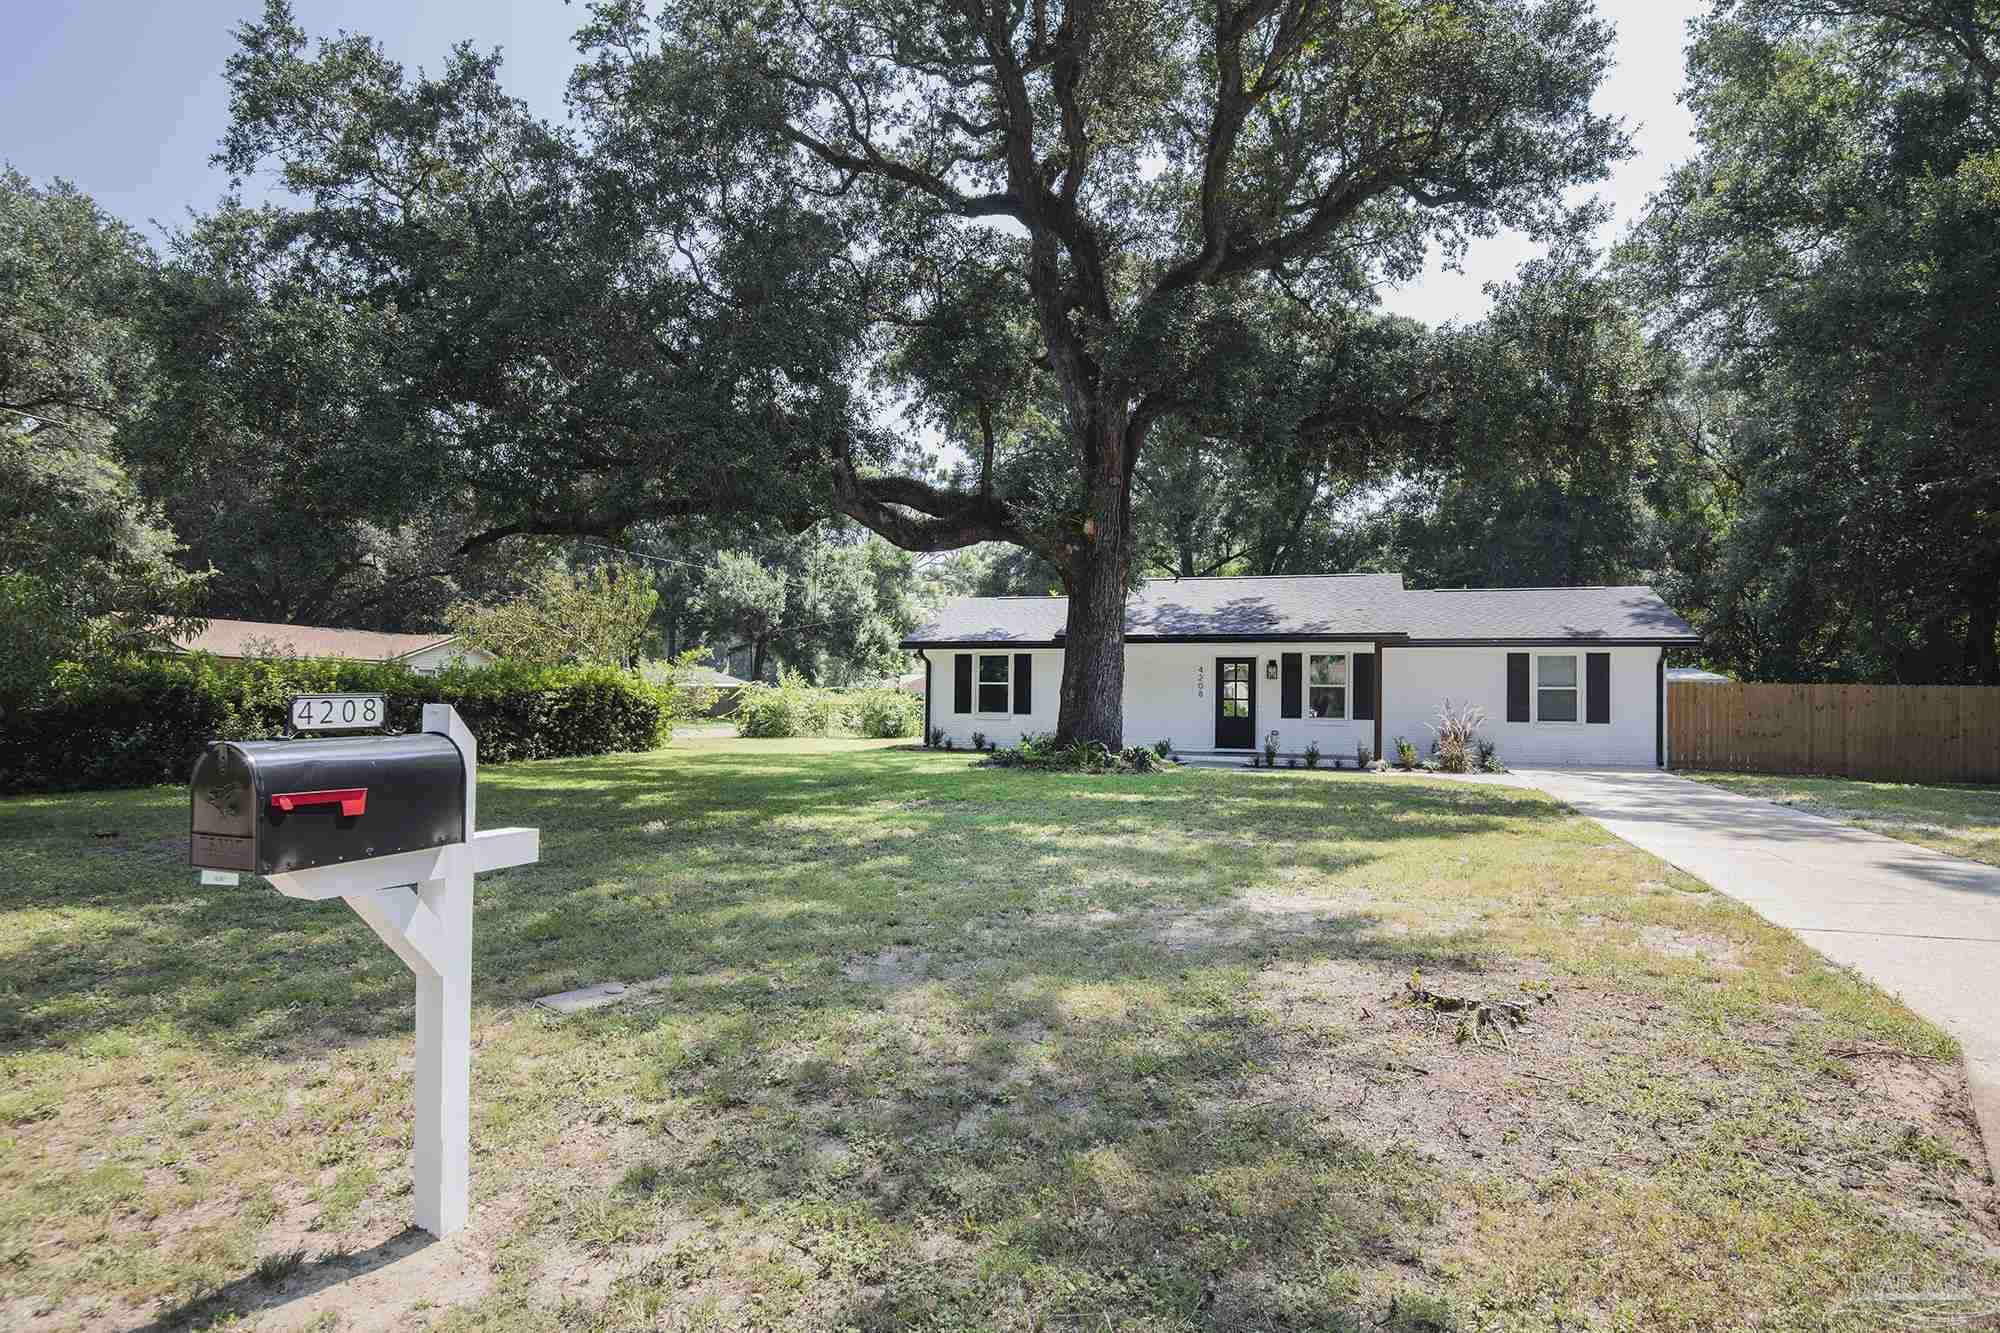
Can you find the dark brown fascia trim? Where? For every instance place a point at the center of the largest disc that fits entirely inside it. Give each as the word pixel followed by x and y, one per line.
pixel 1361 636
pixel 1399 640
pixel 1551 643
pixel 994 644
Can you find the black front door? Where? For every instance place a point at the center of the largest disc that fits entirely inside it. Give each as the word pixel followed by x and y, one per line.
pixel 1235 703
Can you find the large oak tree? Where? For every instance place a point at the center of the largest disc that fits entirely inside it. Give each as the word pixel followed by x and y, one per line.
pixel 1052 226
pixel 1137 171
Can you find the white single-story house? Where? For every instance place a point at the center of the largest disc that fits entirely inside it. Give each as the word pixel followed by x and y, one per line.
pixel 1566 675
pixel 235 640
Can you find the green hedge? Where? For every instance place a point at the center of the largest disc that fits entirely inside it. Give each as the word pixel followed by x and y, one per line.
pixel 143 721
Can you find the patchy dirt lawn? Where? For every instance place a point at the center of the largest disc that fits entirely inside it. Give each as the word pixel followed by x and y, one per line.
pixel 933 1046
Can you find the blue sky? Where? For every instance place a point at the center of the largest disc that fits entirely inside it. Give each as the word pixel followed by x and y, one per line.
pixel 125 98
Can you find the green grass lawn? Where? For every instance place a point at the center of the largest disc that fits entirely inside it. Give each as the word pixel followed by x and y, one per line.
pixel 1961 820
pixel 937 1046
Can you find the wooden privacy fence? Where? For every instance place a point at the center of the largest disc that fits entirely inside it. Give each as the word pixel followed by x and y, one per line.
pixel 1912 733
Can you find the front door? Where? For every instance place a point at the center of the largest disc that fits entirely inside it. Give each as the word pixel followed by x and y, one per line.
pixel 1235 703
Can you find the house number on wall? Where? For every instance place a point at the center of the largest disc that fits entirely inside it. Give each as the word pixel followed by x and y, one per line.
pixel 1197 681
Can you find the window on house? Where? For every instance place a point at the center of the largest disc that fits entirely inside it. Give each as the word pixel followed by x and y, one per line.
pixel 1326 688
pixel 1556 688
pixel 994 688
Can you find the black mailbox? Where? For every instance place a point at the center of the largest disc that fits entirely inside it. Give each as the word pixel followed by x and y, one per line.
pixel 273 806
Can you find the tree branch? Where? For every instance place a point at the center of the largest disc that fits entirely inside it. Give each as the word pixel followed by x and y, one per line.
pixel 917 516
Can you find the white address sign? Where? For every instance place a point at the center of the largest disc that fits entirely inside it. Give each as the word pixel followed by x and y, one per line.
pixel 338 712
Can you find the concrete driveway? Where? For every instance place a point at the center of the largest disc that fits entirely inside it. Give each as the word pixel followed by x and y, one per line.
pixel 1921 925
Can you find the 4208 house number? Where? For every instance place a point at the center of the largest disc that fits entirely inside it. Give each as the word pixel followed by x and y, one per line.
pixel 338 712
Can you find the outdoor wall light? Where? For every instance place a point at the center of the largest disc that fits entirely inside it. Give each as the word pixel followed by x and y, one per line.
pixel 1271 669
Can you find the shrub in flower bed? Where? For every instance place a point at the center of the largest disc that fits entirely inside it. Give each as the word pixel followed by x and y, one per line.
pixel 1040 750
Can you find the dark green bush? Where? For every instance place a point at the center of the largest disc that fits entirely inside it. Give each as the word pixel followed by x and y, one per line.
pixel 144 720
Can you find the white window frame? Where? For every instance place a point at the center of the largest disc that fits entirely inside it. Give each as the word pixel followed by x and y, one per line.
pixel 1535 691
pixel 980 685
pixel 1346 688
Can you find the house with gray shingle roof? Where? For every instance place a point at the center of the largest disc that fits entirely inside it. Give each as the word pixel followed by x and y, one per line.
pixel 1341 661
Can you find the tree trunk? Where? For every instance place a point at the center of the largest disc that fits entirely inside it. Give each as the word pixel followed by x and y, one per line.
pixel 1093 680
pixel 757 659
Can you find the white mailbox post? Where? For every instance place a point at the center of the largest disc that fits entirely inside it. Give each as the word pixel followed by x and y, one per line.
pixel 420 903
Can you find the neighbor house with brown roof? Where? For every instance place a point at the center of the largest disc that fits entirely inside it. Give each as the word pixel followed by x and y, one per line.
pixel 235 640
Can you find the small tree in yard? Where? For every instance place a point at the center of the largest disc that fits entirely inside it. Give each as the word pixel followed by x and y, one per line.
pixel 597 617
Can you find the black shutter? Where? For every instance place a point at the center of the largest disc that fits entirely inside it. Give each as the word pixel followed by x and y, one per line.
pixel 1024 682
pixel 1291 685
pixel 1597 687
pixel 1517 687
pixel 961 683
pixel 1363 706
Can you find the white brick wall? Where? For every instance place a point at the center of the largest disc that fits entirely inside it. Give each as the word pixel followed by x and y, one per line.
pixel 1417 680
pixel 1002 728
pixel 1170 695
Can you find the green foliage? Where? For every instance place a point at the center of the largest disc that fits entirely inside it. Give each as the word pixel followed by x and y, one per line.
pixel 72 279
pixel 686 679
pixel 1406 755
pixel 663 307
pixel 1041 750
pixel 1831 259
pixel 1523 448
pixel 593 617
pixel 143 720
pixel 832 602
pixel 470 307
pixel 87 566
pixel 1312 754
pixel 883 714
pixel 792 707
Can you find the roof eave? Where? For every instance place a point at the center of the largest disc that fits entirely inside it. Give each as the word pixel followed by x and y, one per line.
pixel 422 648
pixel 1344 636
pixel 1564 641
pixel 1395 637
